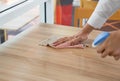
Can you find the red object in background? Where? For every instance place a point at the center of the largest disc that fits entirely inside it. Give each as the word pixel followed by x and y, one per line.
pixel 64 14
pixel 67 15
pixel 58 14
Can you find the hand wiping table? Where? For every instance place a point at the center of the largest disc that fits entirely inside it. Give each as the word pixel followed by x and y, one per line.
pixel 49 42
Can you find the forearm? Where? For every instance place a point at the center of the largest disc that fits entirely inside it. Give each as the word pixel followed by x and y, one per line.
pixel 104 9
pixel 86 30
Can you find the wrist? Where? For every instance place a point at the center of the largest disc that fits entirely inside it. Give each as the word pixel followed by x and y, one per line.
pixel 87 29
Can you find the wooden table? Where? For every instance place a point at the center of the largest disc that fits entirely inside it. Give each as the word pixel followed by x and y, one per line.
pixel 22 59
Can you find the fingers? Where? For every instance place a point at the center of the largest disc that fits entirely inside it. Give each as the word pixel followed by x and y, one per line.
pixel 117 57
pixel 60 41
pixel 77 46
pixel 69 41
pixel 67 45
pixel 105 52
pixel 101 49
pixel 66 41
pixel 116 53
pixel 73 43
pixel 63 45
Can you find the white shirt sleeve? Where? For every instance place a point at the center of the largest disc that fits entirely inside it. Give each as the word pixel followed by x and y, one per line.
pixel 103 10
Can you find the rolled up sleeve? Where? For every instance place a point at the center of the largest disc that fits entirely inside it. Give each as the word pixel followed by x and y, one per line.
pixel 103 10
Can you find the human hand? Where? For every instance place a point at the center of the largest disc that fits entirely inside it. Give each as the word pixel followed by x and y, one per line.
pixel 111 46
pixel 71 41
pixel 75 40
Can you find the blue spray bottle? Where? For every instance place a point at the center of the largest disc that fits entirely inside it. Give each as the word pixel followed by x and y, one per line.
pixel 100 38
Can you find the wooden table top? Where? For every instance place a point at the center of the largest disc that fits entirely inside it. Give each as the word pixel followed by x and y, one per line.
pixel 22 59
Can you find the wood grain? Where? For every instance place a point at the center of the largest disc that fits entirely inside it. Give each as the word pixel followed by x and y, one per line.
pixel 22 59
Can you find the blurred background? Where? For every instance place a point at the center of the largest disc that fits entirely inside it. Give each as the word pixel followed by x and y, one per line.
pixel 74 13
